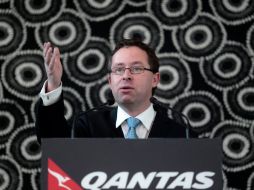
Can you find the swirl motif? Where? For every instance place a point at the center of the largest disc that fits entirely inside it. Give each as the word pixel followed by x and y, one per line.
pixel 23 74
pixel 141 26
pixel 173 12
pixel 10 174
pixel 175 76
pixel 202 108
pixel 13 33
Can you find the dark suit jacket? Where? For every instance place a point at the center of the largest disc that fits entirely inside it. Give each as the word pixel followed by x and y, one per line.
pixel 50 122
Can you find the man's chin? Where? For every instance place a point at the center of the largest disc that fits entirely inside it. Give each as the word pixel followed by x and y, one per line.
pixel 126 101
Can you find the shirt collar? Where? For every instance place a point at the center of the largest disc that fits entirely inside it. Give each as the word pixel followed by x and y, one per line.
pixel 145 117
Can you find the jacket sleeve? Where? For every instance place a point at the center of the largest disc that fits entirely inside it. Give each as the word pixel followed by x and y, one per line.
pixel 50 121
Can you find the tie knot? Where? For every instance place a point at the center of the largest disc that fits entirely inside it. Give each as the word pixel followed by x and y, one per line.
pixel 133 122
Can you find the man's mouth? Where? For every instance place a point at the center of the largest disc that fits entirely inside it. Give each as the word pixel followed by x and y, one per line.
pixel 126 88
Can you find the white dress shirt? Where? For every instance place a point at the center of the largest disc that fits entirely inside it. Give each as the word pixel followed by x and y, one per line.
pixel 146 118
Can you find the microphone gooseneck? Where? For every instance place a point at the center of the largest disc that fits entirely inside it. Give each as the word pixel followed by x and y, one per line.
pixel 110 101
pixel 184 117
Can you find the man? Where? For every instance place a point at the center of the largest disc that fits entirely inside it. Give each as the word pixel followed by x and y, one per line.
pixel 133 77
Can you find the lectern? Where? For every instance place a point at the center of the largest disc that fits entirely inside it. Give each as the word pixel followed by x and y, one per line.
pixel 76 164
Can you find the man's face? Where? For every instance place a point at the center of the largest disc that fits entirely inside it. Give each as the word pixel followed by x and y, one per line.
pixel 132 89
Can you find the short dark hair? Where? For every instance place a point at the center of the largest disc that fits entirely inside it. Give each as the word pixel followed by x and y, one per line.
pixel 153 60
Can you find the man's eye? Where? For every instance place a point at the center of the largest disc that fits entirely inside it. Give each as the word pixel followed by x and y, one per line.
pixel 119 70
pixel 137 69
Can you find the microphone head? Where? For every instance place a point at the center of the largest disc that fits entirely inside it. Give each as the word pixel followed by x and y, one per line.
pixel 110 98
pixel 153 100
pixel 110 101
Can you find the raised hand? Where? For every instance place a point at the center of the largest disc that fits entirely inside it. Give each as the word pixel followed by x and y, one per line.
pixel 53 66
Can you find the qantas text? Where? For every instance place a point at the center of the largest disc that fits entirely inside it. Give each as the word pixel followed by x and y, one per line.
pixel 98 180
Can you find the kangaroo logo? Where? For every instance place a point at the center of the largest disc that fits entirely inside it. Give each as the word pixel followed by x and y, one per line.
pixel 58 179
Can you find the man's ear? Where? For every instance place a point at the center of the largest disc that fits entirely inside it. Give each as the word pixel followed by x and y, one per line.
pixel 156 79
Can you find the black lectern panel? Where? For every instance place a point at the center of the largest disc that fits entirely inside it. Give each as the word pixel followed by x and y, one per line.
pixel 131 164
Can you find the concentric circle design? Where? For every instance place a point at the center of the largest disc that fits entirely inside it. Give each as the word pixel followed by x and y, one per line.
pixel 38 12
pixel 90 64
pixel 100 10
pixel 23 74
pixel 173 12
pixel 240 102
pixel 137 3
pixel 36 180
pixel 175 76
pixel 12 115
pixel 73 103
pixel 98 93
pixel 229 69
pixel 202 108
pixel 250 40
pixel 233 12
pixel 13 33
pixel 1 91
pixel 24 148
pixel 202 39
pixel 141 26
pixel 33 108
pixel 250 181
pixel 10 174
pixel 69 32
pixel 238 154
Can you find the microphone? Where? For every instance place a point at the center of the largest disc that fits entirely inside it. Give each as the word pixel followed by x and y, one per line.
pixel 184 117
pixel 110 101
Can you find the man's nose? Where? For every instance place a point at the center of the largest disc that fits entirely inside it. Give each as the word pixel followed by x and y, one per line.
pixel 127 74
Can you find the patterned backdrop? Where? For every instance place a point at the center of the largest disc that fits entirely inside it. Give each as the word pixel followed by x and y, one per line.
pixel 205 47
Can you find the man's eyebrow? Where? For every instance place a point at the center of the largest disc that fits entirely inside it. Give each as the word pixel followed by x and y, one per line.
pixel 119 64
pixel 137 63
pixel 132 63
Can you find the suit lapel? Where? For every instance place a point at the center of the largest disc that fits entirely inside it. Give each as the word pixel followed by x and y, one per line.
pixel 118 132
pixel 161 127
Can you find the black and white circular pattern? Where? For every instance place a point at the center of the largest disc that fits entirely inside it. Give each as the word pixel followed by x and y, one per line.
pixel 137 3
pixel 142 26
pixel 12 115
pixel 36 180
pixel 70 32
pixel 240 102
pixel 25 149
pixel 173 12
pixel 238 147
pixel 233 12
pixel 1 91
pixel 250 182
pixel 13 33
pixel 203 39
pixel 10 174
pixel 73 103
pixel 100 10
pixel 202 108
pixel 232 67
pixel 23 74
pixel 175 76
pixel 250 40
pixel 38 12
pixel 98 93
pixel 90 64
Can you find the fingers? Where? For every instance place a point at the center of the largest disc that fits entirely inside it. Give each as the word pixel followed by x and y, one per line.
pixel 55 58
pixel 47 52
pixel 51 55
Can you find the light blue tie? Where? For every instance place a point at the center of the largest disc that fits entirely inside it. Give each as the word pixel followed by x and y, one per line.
pixel 132 124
